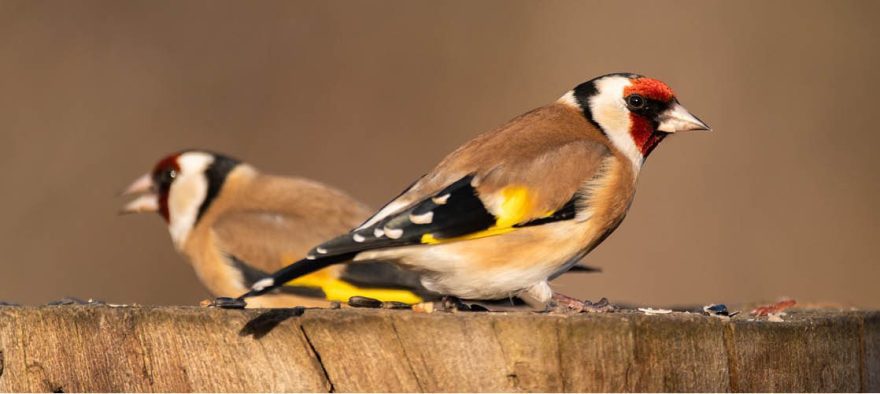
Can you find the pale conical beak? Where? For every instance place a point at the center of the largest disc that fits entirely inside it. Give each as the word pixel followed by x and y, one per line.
pixel 678 118
pixel 148 202
pixel 143 184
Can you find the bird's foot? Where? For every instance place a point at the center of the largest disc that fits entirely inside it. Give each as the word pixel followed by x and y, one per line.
pixel 454 304
pixel 601 306
pixel 561 303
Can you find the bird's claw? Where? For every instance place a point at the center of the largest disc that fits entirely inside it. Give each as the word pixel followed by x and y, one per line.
pixel 561 303
pixel 601 306
pixel 454 304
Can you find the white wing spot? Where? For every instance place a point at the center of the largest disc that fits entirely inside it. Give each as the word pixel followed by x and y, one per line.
pixel 394 233
pixel 357 237
pixel 262 284
pixel 424 218
pixel 321 250
pixel 378 232
pixel 310 257
pixel 440 200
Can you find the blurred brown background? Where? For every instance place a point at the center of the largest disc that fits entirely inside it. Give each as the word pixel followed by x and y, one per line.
pixel 779 201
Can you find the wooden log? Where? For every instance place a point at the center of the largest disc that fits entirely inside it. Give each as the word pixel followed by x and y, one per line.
pixel 99 348
pixel 820 353
pixel 871 337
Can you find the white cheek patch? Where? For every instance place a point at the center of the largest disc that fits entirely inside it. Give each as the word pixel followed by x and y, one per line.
pixel 610 112
pixel 186 195
pixel 183 206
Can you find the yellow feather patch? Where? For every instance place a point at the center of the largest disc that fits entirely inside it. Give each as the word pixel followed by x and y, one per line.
pixel 515 207
pixel 339 290
pixel 516 204
pixel 430 239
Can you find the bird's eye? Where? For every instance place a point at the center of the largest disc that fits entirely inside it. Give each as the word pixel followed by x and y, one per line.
pixel 165 177
pixel 635 101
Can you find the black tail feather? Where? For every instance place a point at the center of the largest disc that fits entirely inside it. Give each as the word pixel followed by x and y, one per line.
pixel 297 269
pixel 583 268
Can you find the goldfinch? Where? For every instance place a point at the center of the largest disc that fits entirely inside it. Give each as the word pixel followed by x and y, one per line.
pixel 519 205
pixel 236 225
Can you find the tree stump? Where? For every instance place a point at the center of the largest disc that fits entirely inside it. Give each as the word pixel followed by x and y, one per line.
pixel 101 348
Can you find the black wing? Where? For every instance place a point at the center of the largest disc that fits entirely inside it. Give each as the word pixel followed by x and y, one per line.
pixel 454 211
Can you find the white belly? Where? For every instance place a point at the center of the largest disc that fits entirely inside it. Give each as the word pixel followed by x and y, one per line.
pixel 494 267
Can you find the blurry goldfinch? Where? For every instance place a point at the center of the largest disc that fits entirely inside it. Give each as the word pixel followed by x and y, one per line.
pixel 236 225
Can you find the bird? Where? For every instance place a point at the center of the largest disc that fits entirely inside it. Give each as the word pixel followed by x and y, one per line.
pixel 519 205
pixel 236 225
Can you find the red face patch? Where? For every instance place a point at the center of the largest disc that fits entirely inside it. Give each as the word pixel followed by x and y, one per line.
pixel 168 162
pixel 642 130
pixel 162 178
pixel 651 89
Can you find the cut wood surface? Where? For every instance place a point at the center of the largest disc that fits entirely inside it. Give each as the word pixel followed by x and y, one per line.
pixel 100 348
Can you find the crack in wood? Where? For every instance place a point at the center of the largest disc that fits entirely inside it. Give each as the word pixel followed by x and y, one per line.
pixel 318 358
pixel 511 374
pixel 559 345
pixel 730 351
pixel 863 372
pixel 406 355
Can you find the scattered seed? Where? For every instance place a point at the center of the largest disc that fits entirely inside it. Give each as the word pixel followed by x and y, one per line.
pixel 364 302
pixel 775 308
pixel 395 305
pixel 719 310
pixel 775 317
pixel 423 307
pixel 652 311
pixel 228 303
pixel 67 301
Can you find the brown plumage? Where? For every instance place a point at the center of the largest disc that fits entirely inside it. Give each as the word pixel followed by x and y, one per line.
pixel 520 153
pixel 255 224
pixel 517 206
pixel 268 222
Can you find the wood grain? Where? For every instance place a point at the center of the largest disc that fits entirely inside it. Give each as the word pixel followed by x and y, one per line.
pixel 806 354
pixel 96 348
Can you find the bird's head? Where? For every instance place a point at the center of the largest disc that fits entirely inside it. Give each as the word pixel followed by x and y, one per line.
pixel 180 187
pixel 633 111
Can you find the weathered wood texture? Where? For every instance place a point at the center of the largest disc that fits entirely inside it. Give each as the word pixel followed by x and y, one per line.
pixel 89 348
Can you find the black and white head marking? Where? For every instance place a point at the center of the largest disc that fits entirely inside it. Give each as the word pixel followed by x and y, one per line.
pixel 602 103
pixel 198 182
